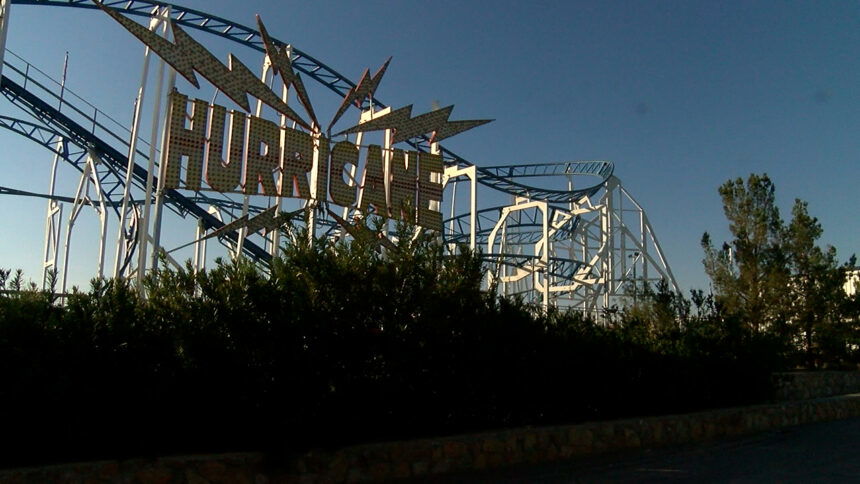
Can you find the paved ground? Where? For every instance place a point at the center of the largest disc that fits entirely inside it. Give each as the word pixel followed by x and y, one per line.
pixel 826 452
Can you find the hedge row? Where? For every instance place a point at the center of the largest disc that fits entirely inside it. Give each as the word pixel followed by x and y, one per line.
pixel 340 344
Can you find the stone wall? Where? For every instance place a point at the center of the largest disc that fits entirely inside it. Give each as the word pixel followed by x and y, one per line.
pixel 428 457
pixel 803 385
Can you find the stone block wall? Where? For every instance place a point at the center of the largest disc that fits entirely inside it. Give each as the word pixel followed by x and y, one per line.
pixel 803 385
pixel 429 457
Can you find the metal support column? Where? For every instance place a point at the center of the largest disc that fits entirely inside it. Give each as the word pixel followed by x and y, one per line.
pixel 162 171
pixel 128 214
pixel 157 120
pixel 89 179
pixel 53 222
pixel 4 27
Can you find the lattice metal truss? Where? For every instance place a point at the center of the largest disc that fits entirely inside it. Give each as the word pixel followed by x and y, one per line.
pixel 554 233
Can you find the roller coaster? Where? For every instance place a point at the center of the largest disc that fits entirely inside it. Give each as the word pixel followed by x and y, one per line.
pixel 566 233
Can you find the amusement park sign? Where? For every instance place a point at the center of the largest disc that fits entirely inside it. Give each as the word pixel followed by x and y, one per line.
pixel 247 154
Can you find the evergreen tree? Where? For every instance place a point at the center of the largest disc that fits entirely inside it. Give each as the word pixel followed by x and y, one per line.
pixel 750 274
pixel 777 279
pixel 816 283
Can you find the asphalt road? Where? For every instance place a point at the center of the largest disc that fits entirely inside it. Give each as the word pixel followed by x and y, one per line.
pixel 825 452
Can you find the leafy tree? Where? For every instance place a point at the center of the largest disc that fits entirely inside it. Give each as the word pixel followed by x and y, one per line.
pixel 816 284
pixel 750 274
pixel 777 279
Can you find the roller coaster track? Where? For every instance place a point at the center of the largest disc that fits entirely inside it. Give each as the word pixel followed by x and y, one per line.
pixel 58 144
pixel 115 161
pixel 498 178
pixel 523 241
pixel 525 231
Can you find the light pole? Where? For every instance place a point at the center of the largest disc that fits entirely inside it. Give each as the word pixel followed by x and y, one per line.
pixel 634 256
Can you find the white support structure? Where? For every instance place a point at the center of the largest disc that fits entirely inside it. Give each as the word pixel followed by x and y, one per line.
pixel 90 181
pixel 626 254
pixel 129 213
pixel 584 255
pixel 470 172
pixel 267 75
pixel 199 260
pixel 537 265
pixel 243 231
pixel 53 222
pixel 4 28
pixel 584 243
pixel 274 237
pixel 159 193
pixel 158 125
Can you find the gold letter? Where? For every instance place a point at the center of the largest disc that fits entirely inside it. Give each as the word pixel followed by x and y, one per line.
pixel 262 161
pixel 185 142
pixel 429 191
pixel 403 183
pixel 344 153
pixel 373 183
pixel 298 161
pixel 321 167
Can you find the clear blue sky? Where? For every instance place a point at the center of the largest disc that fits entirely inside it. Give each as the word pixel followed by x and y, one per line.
pixel 680 95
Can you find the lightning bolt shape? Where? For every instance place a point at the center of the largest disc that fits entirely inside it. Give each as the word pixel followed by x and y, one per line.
pixel 268 219
pixel 186 55
pixel 450 128
pixel 283 65
pixel 365 89
pixel 388 121
pixel 406 126
pixel 234 225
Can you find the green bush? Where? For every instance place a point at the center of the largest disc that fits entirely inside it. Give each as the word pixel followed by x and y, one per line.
pixel 341 343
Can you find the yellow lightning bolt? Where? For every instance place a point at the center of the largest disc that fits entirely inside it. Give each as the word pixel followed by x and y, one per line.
pixel 186 56
pixel 406 126
pixel 283 64
pixel 365 88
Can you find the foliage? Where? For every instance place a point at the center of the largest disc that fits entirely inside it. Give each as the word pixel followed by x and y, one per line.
pixel 344 342
pixel 749 274
pixel 779 281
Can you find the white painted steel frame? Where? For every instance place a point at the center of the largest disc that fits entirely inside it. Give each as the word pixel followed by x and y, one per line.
pixel 585 247
pixel 4 28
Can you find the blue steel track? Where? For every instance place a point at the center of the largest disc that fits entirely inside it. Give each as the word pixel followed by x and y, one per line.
pixel 497 178
pixel 512 179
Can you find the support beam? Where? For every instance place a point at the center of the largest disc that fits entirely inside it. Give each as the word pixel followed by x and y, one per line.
pixel 53 223
pixel 127 211
pixel 156 127
pixel 90 180
pixel 4 28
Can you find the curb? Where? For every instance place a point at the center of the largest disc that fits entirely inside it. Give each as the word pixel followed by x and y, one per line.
pixel 428 457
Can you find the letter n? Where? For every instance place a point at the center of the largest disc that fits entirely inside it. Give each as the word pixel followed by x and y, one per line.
pixel 373 183
pixel 404 168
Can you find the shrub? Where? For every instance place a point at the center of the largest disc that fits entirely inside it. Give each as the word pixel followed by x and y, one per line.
pixel 342 343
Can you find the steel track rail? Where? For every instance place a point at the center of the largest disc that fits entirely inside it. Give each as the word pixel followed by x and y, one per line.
pixel 48 196
pixel 48 138
pixel 317 71
pixel 82 137
pixel 486 220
